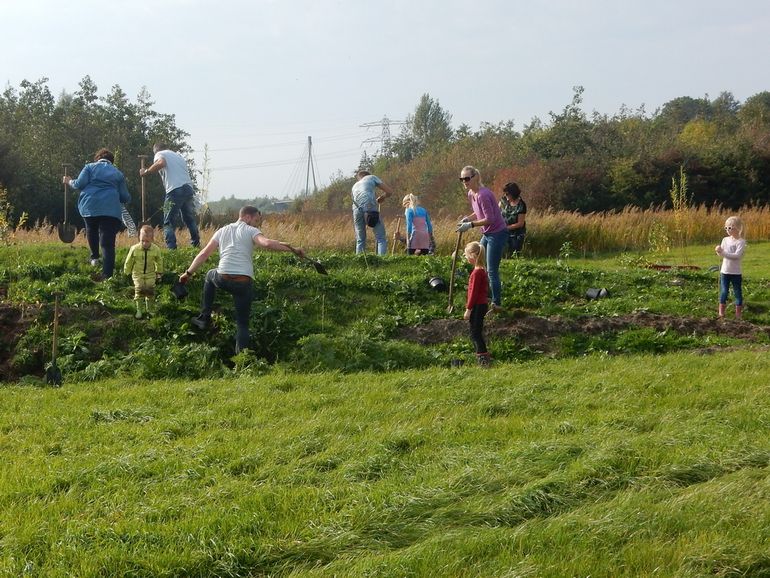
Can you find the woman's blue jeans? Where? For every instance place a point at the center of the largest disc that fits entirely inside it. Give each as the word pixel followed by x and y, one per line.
pixel 360 226
pixel 494 244
pixel 725 280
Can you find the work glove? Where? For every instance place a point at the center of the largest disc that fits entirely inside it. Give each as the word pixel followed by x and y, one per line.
pixel 462 227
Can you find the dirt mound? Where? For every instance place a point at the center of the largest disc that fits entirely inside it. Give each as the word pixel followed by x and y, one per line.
pixel 537 331
pixel 14 321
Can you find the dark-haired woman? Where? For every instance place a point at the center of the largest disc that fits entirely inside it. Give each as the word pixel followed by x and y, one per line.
pixel 514 211
pixel 102 191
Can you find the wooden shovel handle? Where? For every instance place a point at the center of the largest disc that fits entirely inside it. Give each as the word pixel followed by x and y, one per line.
pixel 455 256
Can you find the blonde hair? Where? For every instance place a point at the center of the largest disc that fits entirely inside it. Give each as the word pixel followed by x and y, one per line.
pixel 410 200
pixel 147 232
pixel 476 249
pixel 736 223
pixel 473 170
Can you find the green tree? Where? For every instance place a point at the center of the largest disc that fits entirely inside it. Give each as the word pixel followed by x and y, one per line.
pixel 46 132
pixel 428 126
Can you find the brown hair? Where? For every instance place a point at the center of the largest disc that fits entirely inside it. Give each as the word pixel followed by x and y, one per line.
pixel 249 210
pixel 106 154
pixel 512 190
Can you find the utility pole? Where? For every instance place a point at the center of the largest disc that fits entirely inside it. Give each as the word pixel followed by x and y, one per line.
pixel 310 166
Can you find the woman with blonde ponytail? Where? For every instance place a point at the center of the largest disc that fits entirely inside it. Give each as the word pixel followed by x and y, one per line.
pixel 419 229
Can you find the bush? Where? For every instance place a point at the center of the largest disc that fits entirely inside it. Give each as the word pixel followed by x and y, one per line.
pixel 154 360
pixel 357 352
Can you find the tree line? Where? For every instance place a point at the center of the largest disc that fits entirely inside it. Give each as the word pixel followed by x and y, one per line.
pixel 39 134
pixel 579 162
pixel 571 161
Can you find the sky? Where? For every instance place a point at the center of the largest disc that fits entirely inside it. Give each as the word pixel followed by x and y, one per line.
pixel 251 80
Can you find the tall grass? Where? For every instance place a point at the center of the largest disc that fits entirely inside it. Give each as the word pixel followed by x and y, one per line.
pixel 632 229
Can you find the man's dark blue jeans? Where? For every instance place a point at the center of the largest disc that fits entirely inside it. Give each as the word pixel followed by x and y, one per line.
pixel 180 201
pixel 242 290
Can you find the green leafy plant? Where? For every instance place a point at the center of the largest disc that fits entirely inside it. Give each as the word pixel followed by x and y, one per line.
pixel 658 238
pixel 681 200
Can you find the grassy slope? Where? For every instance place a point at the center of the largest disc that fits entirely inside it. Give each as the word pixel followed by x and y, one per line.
pixel 625 466
pixel 362 300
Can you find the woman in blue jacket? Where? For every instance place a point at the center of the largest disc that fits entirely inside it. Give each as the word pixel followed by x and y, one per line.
pixel 102 191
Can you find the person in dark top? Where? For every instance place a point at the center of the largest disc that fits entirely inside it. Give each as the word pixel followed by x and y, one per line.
pixel 514 211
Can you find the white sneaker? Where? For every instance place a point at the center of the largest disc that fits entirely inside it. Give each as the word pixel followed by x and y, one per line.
pixel 95 263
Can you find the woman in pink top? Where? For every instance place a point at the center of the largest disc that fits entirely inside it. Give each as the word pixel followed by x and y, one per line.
pixel 731 250
pixel 487 215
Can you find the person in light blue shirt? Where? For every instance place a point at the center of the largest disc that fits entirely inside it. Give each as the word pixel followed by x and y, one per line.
pixel 366 200
pixel 102 191
pixel 419 229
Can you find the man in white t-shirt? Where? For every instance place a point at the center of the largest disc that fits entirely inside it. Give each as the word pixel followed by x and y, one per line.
pixel 235 271
pixel 180 197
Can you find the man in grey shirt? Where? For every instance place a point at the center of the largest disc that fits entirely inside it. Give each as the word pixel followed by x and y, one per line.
pixel 180 197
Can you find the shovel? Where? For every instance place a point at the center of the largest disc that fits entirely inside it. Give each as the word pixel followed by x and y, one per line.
pixel 315 263
pixel 396 235
pixel 455 256
pixel 53 373
pixel 66 231
pixel 144 211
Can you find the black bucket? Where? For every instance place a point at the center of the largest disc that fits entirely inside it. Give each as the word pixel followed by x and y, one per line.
pixel 596 293
pixel 179 290
pixel 437 284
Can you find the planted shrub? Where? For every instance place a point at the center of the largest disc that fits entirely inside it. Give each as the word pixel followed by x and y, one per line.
pixel 356 352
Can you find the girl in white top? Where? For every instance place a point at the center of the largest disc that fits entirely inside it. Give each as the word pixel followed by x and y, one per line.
pixel 731 249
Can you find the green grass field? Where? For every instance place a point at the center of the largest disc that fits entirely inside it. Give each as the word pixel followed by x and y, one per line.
pixel 624 466
pixel 626 452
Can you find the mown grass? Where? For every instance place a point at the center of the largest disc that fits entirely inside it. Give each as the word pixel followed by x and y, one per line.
pixel 633 466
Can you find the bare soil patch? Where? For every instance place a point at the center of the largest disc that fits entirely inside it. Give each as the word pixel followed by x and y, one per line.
pixel 14 321
pixel 539 332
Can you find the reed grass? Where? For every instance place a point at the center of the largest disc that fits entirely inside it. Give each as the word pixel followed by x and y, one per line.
pixel 591 234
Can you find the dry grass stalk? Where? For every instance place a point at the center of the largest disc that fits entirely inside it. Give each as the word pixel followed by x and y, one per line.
pixel 627 230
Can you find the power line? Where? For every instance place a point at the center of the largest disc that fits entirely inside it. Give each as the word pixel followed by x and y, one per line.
pixel 334 155
pixel 384 138
pixel 292 143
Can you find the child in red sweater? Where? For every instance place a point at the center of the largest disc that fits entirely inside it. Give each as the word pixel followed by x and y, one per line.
pixel 477 303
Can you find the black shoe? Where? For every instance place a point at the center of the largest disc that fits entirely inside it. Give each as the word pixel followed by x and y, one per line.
pixel 201 322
